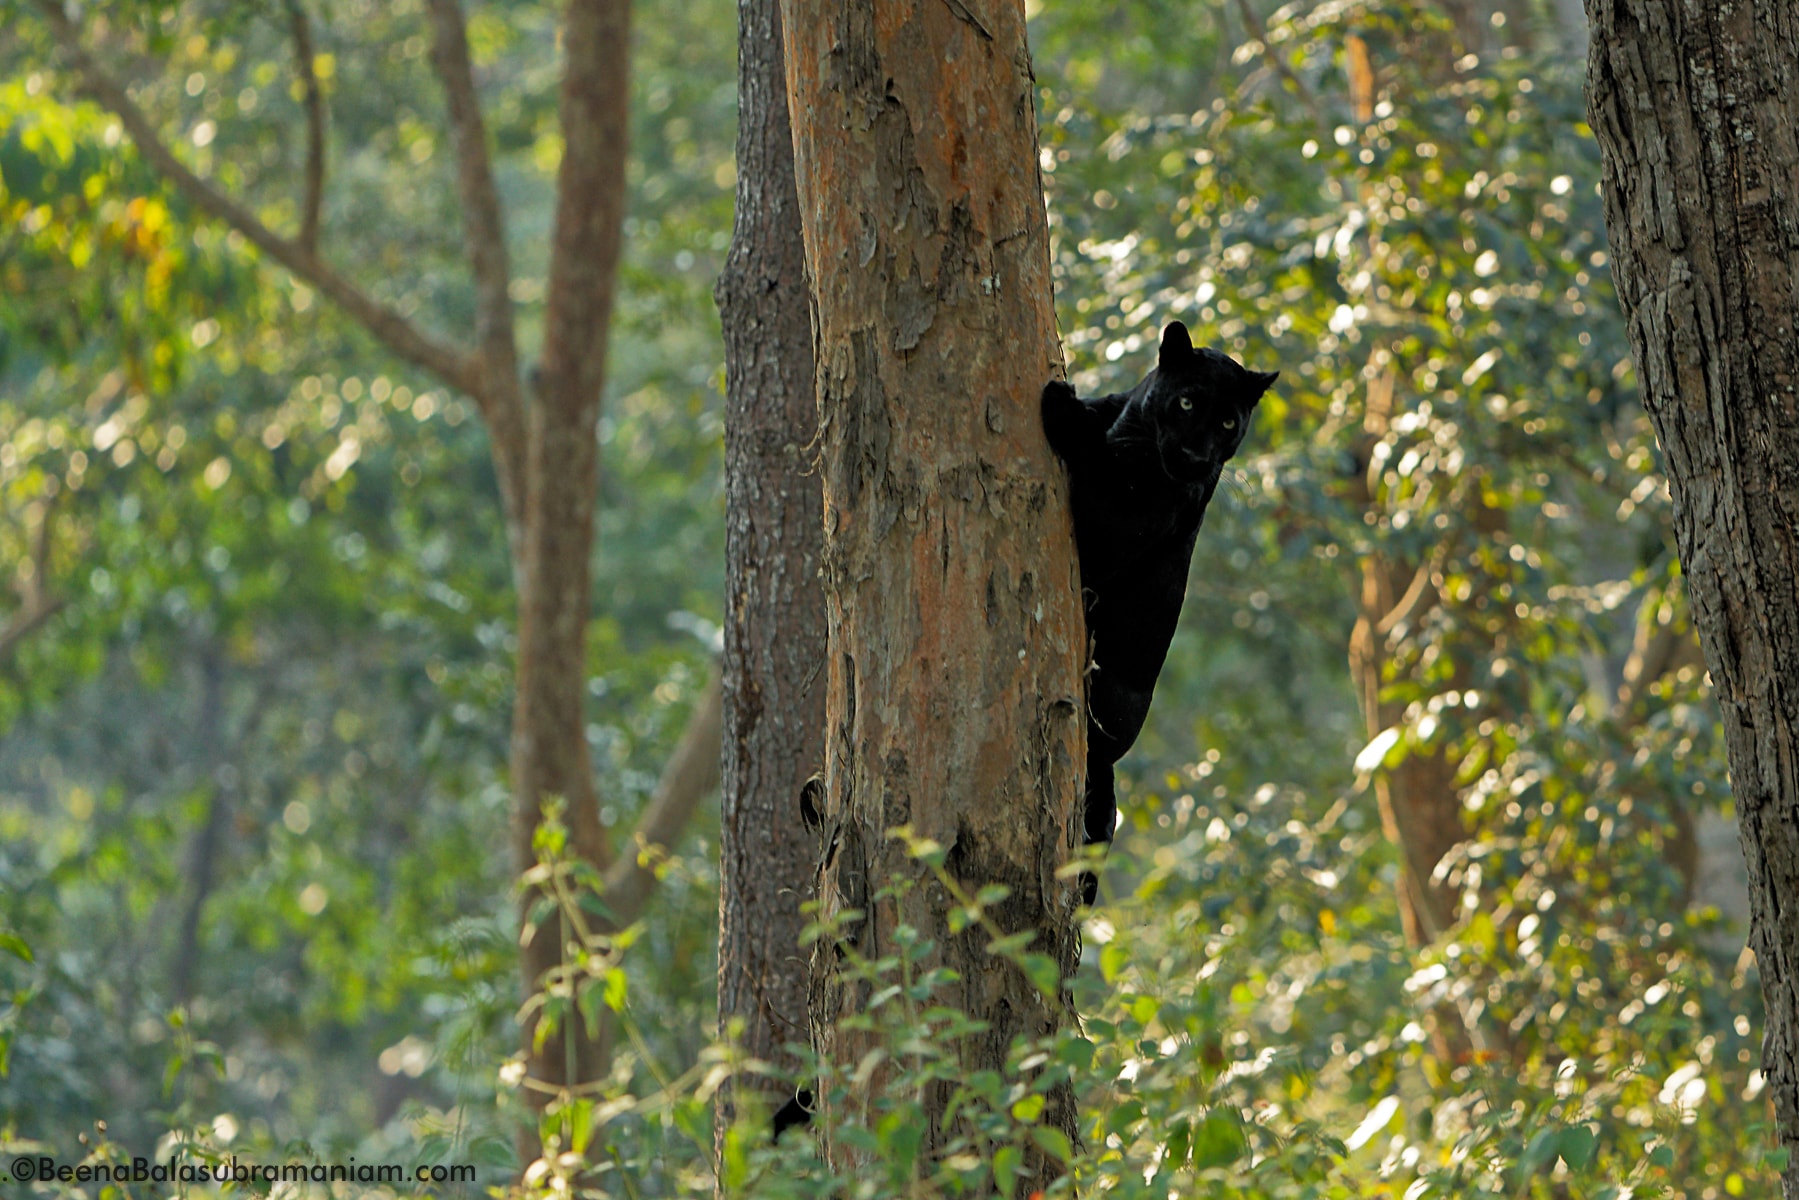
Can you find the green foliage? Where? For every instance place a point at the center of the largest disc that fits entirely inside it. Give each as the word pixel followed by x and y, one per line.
pixel 251 766
pixel 1438 261
pixel 651 1132
pixel 255 891
pixel 1194 1067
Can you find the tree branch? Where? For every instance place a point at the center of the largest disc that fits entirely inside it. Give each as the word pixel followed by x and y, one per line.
pixel 387 326
pixel 40 552
pixel 689 776
pixel 314 200
pixel 585 240
pixel 39 605
pixel 207 845
pixel 1657 651
pixel 27 623
pixel 1407 606
pixel 484 235
pixel 1253 25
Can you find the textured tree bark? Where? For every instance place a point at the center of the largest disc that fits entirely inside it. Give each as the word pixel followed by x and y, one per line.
pixel 956 633
pixel 484 240
pixel 774 602
pixel 1696 106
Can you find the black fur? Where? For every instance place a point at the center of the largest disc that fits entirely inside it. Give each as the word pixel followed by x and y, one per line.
pixel 1143 465
pixel 795 1114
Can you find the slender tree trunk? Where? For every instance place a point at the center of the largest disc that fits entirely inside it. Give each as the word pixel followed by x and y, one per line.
pixel 774 602
pixel 1420 807
pixel 206 848
pixel 1696 106
pixel 1420 810
pixel 1472 23
pixel 956 634
pixel 549 729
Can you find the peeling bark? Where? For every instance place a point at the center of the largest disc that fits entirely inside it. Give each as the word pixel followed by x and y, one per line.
pixel 1696 107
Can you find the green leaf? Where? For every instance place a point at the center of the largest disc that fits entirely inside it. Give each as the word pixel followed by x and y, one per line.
pixel 1577 1144
pixel 1011 944
pixel 494 1152
pixel 1540 1151
pixel 1053 1141
pixel 590 997
pixel 902 1133
pixel 1218 1139
pixel 616 985
pixel 1178 1146
pixel 1007 1166
pixel 1043 971
pixel 1077 1052
pixel 1123 1117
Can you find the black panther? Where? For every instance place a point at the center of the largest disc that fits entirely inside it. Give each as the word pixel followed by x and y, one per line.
pixel 1142 465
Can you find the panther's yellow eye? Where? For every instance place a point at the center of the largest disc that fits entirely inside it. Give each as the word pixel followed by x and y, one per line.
pixel 1230 423
pixel 1186 403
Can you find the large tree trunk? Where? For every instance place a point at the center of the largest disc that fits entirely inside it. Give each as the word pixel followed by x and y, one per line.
pixel 774 602
pixel 956 635
pixel 1696 106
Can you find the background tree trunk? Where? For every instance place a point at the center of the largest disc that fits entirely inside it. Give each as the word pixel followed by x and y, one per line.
pixel 956 635
pixel 549 728
pixel 1696 107
pixel 1473 26
pixel 1420 810
pixel 774 602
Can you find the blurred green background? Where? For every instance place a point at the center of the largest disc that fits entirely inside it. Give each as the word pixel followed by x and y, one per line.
pixel 253 721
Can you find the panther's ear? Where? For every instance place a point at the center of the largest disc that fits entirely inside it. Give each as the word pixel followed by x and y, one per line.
pixel 1175 341
pixel 1261 381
